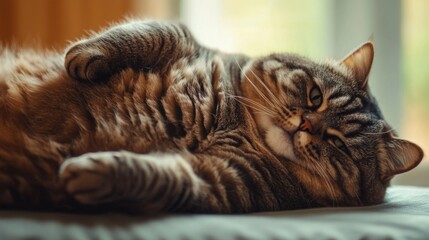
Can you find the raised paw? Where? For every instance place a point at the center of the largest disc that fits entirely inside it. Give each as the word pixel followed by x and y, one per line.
pixel 88 60
pixel 89 178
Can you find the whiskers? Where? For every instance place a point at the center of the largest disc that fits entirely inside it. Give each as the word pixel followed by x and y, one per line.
pixel 392 127
pixel 252 104
pixel 328 183
pixel 271 99
pixel 325 176
pixel 378 133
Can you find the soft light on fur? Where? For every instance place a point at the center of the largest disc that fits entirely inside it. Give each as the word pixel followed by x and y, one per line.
pixel 141 118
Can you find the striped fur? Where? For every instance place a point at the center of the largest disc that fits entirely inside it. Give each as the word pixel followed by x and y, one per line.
pixel 141 118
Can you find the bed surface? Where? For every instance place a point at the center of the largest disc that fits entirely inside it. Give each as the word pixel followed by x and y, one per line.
pixel 404 215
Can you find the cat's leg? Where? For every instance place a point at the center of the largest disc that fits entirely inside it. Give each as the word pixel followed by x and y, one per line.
pixel 137 44
pixel 140 182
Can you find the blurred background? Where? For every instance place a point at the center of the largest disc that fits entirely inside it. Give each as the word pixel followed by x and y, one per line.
pixel 318 29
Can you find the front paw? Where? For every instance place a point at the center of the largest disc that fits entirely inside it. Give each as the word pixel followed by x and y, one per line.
pixel 89 178
pixel 88 60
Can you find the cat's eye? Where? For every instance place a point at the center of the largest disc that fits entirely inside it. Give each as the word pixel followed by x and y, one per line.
pixel 339 144
pixel 315 96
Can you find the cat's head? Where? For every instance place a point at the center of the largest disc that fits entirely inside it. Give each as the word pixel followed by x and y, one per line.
pixel 322 118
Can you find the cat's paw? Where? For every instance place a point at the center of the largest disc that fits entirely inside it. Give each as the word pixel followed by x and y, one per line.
pixel 87 60
pixel 89 178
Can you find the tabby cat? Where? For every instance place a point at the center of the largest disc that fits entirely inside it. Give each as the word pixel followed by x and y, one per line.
pixel 142 118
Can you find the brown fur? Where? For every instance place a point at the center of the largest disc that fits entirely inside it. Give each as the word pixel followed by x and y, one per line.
pixel 143 118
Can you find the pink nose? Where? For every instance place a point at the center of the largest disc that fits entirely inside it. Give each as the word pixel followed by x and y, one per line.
pixel 306 125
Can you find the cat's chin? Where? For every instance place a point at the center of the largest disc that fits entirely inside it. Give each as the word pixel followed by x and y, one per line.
pixel 280 142
pixel 277 139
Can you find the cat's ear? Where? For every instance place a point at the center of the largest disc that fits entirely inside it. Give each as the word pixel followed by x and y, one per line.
pixel 360 62
pixel 401 156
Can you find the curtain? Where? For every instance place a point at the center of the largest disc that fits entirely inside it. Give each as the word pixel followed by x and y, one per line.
pixel 52 23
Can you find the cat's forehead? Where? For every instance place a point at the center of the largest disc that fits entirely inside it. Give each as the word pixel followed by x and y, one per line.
pixel 328 73
pixel 291 61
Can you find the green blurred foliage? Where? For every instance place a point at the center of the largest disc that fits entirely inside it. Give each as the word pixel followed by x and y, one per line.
pixel 415 27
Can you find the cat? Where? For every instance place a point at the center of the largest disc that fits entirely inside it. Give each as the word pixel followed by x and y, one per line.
pixel 142 118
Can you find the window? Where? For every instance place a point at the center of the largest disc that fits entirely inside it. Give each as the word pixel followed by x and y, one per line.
pixel 331 28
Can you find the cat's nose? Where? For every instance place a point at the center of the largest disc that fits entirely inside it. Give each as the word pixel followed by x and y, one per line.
pixel 310 122
pixel 306 125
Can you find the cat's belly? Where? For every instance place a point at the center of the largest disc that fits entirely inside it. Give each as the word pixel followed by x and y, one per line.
pixel 139 112
pixel 145 112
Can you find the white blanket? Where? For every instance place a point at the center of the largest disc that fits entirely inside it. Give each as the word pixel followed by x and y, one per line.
pixel 405 215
